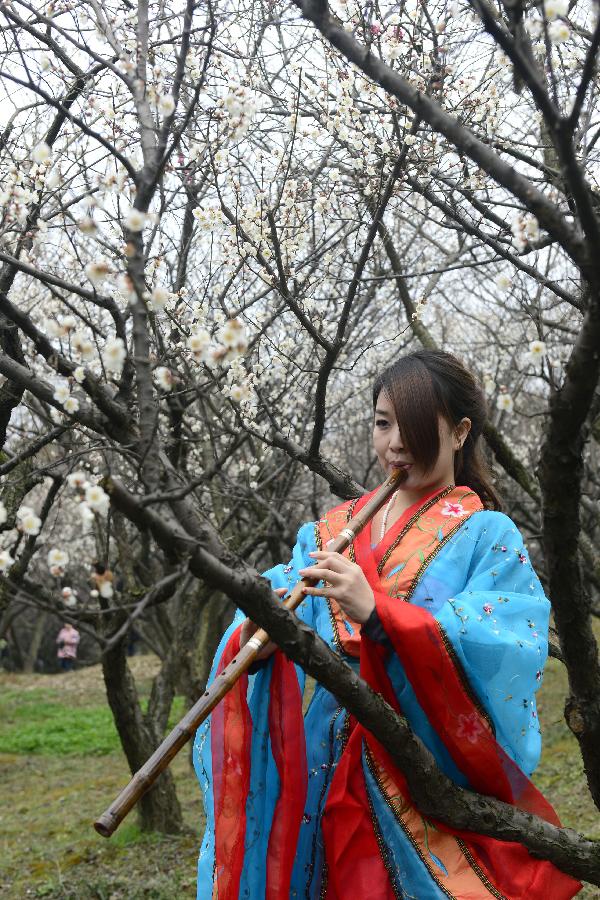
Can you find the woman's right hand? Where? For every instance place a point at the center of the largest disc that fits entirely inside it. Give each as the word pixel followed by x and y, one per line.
pixel 249 627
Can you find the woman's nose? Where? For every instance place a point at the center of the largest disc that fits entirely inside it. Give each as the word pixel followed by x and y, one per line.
pixel 395 438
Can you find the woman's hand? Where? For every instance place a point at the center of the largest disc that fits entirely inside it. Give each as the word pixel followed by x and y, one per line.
pixel 346 583
pixel 249 627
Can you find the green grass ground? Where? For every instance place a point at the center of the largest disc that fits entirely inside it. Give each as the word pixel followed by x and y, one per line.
pixel 60 765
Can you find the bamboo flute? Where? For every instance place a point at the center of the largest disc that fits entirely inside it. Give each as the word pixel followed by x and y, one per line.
pixel 145 777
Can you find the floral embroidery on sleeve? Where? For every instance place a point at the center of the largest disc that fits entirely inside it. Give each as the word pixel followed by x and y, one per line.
pixel 470 727
pixel 456 510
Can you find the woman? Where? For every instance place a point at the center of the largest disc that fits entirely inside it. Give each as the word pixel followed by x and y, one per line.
pixel 439 608
pixel 68 641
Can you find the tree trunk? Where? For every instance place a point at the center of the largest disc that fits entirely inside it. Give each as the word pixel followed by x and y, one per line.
pixel 159 809
pixel 34 644
pixel 217 614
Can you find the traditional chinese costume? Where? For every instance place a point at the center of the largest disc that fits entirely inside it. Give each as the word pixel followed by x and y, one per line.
pixel 312 806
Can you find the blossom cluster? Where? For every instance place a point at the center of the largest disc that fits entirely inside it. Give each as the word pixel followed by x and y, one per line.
pixel 228 344
pixel 93 499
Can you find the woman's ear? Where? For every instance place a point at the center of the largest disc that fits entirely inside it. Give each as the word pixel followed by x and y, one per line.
pixel 461 432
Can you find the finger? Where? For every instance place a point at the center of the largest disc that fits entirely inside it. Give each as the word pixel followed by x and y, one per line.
pixel 335 561
pixel 320 573
pixel 266 651
pixel 320 591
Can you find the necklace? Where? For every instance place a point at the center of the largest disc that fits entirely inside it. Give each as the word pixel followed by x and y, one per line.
pixel 386 513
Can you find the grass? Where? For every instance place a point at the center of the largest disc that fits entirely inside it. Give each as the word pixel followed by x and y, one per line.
pixel 40 723
pixel 60 765
pixel 45 727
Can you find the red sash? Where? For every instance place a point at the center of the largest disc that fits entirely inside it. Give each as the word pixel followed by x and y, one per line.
pixel 231 740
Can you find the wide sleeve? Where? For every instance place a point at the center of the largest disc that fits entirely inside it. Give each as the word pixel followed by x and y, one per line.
pixel 498 627
pixel 472 643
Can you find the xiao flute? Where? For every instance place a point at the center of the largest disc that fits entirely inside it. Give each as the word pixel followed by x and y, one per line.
pixel 145 777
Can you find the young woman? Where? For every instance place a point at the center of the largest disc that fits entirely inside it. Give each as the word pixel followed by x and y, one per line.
pixel 438 607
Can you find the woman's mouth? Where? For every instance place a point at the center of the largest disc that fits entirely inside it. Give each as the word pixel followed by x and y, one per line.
pixel 400 465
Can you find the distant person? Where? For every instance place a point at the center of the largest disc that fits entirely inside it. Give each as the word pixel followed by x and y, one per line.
pixel 133 638
pixel 67 640
pixel 4 654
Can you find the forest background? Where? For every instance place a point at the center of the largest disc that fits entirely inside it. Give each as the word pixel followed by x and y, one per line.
pixel 218 222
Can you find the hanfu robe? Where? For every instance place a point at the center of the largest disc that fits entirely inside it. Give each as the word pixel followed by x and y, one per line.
pixel 312 806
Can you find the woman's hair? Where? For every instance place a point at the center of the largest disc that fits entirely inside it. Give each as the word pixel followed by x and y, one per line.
pixel 428 383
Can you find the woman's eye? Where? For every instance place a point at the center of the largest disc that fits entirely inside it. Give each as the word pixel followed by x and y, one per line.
pixel 381 423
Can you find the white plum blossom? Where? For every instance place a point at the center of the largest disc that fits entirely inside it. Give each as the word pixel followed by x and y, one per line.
pixel 208 217
pixel 555 8
pixel 41 153
pixel 200 343
pixel 3 513
pixel 239 102
pixel 135 220
pixel 525 229
pixel 233 336
pixel 237 393
pixel 82 345
pixel 536 353
pixel 558 31
pixel 96 498
pixel 6 560
pixel 532 228
pixel 166 105
pixel 77 480
pixel 489 385
pixel 87 225
pixel 159 297
pixel 505 403
pixel 114 354
pixel 503 282
pixel 57 558
pixel 61 327
pixel 163 378
pixel 68 323
pixel 86 513
pixel 79 374
pixel 69 596
pixel 97 271
pixel 537 349
pixel 71 405
pixel 53 178
pixel 61 391
pixel 29 523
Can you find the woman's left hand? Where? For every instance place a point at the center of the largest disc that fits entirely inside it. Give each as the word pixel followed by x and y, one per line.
pixel 346 583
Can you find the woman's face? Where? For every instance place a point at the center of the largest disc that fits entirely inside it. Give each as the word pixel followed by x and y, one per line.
pixel 392 454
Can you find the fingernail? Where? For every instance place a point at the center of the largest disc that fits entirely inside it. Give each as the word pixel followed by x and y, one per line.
pixel 313 553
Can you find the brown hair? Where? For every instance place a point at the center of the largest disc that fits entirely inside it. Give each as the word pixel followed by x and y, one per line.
pixel 428 383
